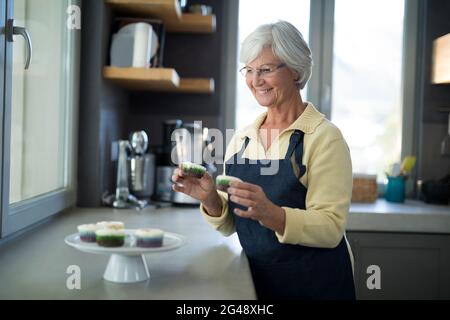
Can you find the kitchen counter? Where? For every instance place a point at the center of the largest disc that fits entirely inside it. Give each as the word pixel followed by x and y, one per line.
pixel 209 266
pixel 412 216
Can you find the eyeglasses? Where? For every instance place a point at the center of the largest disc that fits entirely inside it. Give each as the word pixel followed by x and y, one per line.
pixel 263 72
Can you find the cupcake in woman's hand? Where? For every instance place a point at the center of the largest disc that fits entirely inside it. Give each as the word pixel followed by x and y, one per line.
pixel 110 237
pixel 116 225
pixel 223 182
pixel 149 238
pixel 87 232
pixel 192 169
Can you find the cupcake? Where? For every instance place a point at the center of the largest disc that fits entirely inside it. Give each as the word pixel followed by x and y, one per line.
pixel 116 225
pixel 149 238
pixel 110 237
pixel 223 182
pixel 87 232
pixel 192 169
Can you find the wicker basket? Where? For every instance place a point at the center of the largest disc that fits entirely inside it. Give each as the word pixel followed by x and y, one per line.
pixel 364 188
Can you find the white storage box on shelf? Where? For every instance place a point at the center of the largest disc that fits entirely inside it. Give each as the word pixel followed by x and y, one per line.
pixel 134 46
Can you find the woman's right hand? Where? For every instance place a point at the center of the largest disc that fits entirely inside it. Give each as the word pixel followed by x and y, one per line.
pixel 203 189
pixel 196 188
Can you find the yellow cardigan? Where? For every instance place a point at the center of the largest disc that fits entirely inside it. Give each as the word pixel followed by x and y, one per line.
pixel 328 179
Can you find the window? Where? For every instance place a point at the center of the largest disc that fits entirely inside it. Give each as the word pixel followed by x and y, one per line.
pixel 252 15
pixel 359 79
pixel 366 102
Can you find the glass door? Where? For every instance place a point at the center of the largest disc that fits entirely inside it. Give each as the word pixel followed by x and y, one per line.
pixel 40 103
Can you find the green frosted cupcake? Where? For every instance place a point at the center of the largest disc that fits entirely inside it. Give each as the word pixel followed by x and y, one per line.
pixel 223 182
pixel 110 237
pixel 193 169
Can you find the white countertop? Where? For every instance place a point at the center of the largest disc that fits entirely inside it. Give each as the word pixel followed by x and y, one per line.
pixel 209 266
pixel 412 216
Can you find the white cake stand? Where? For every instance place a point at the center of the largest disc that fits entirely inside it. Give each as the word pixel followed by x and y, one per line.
pixel 127 264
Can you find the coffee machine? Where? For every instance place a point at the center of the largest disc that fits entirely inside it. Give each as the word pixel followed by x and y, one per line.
pixel 165 165
pixel 182 142
pixel 188 147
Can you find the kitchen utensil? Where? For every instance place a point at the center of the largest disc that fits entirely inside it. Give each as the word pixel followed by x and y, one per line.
pixel 122 198
pixel 141 166
pixel 142 175
pixel 189 147
pixel 122 191
pixel 169 127
pixel 407 165
pixel 395 189
pixel 395 170
pixel 181 145
pixel 190 144
pixel 165 163
pixel 164 183
pixel 134 46
pixel 139 142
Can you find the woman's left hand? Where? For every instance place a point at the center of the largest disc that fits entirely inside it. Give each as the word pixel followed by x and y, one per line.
pixel 260 208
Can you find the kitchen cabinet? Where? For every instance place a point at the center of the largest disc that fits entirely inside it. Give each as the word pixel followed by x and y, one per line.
pixel 116 101
pixel 411 265
pixel 162 79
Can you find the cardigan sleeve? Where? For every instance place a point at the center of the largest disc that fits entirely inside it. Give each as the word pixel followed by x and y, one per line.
pixel 328 198
pixel 225 223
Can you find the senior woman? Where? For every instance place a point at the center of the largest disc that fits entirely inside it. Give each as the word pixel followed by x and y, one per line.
pixel 291 221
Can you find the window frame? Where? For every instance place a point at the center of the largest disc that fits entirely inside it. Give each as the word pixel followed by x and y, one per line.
pixel 25 213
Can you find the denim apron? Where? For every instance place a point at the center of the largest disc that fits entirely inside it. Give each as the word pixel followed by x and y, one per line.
pixel 287 271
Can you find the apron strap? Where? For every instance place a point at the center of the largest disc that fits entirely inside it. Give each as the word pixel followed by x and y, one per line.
pixel 296 138
pixel 244 146
pixel 296 144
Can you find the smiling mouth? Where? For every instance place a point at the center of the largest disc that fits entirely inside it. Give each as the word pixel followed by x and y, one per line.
pixel 263 91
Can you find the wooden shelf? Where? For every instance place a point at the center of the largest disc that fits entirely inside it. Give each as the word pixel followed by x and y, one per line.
pixel 157 79
pixel 193 23
pixel 196 85
pixel 169 12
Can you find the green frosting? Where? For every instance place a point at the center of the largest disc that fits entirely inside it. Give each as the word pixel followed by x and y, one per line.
pixel 193 169
pixel 223 181
pixel 110 241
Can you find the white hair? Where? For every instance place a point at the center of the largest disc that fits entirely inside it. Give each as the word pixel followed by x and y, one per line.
pixel 287 44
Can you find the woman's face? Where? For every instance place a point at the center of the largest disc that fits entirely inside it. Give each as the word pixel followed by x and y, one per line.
pixel 274 88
